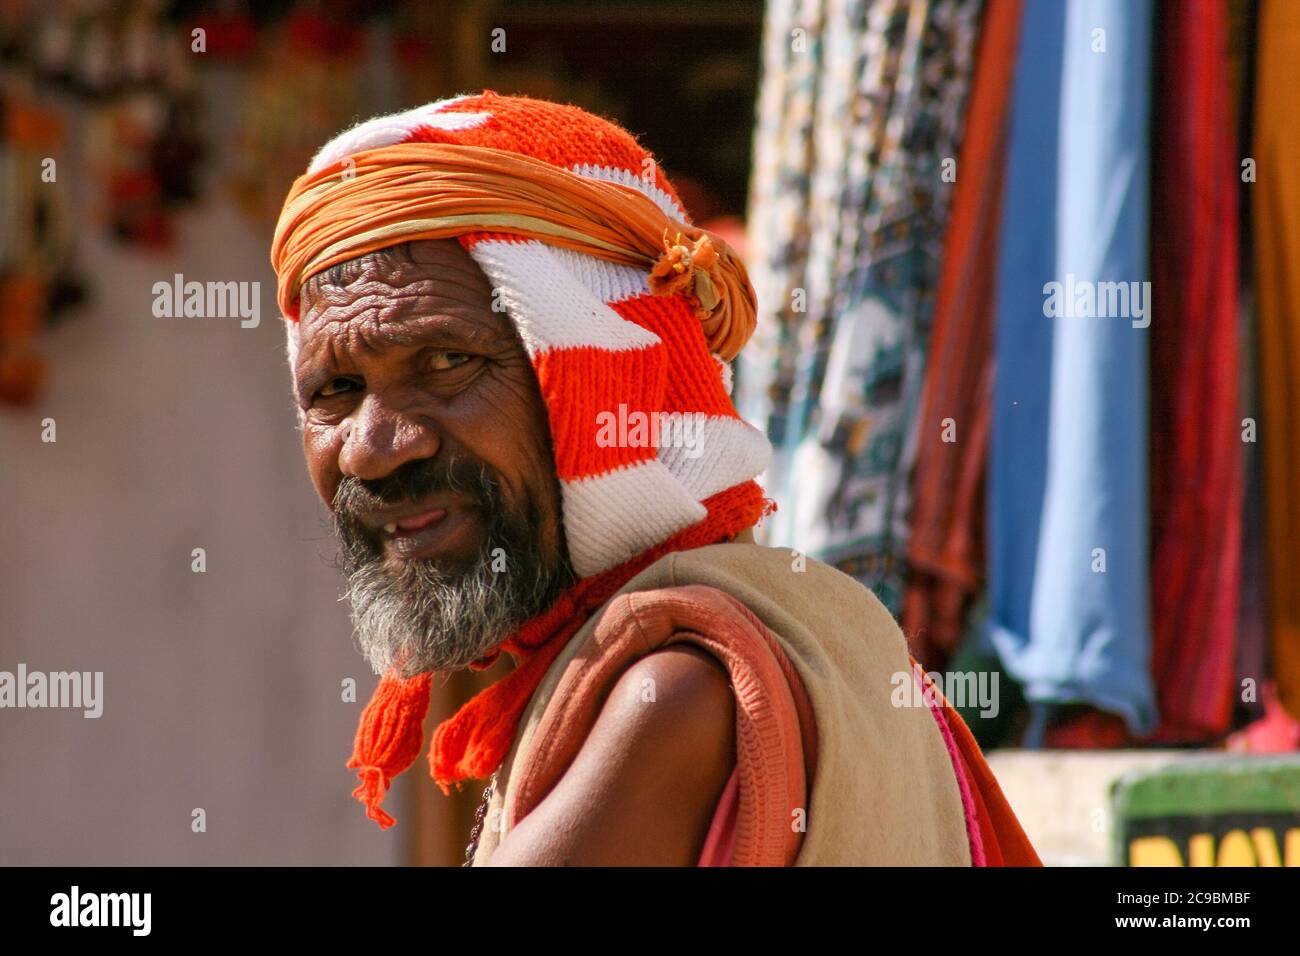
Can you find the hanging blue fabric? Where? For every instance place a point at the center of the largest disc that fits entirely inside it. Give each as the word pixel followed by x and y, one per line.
pixel 1069 581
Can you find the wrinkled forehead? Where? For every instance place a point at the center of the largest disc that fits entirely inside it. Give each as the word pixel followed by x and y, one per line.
pixel 417 268
pixel 417 293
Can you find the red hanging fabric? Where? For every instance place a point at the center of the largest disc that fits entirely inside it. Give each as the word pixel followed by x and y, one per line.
pixel 1196 452
pixel 945 549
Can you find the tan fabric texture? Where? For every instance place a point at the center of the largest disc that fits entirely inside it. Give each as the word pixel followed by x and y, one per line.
pixel 883 791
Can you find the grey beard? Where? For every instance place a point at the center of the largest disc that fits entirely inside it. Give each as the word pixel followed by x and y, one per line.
pixel 413 617
pixel 420 618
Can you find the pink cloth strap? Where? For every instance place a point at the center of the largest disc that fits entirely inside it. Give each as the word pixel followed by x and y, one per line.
pixel 935 705
pixel 720 844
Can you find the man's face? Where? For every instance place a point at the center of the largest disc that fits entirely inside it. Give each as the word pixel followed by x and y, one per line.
pixel 426 435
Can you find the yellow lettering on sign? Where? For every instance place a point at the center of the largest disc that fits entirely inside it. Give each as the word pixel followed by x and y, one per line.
pixel 1265 841
pixel 1154 851
pixel 1201 850
pixel 1235 849
pixel 1259 847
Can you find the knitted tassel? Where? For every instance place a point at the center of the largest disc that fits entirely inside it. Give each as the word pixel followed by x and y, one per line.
pixel 388 739
pixel 474 741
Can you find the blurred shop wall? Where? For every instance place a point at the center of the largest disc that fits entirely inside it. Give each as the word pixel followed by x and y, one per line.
pixel 222 690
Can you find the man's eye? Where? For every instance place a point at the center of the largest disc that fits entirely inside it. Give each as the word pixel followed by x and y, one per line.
pixel 445 361
pixel 337 386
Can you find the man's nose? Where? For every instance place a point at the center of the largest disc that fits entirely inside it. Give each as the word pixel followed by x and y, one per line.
pixel 379 439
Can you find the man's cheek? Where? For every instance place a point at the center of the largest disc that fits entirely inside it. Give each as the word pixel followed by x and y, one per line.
pixel 325 482
pixel 321 463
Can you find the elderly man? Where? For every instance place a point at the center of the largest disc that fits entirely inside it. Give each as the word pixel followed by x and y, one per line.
pixel 511 356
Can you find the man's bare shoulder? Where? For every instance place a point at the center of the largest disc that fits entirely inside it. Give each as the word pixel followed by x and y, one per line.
pixel 676 687
pixel 644 786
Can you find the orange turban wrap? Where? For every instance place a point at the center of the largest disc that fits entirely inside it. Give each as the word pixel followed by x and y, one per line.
pixel 381 197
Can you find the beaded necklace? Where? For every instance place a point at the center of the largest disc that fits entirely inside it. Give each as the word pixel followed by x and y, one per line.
pixel 479 816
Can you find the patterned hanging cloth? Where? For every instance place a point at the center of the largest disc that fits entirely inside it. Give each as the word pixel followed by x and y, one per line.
pixel 859 124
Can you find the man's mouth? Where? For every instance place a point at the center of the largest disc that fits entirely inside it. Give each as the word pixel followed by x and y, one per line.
pixel 408 526
pixel 421 536
pixel 445 532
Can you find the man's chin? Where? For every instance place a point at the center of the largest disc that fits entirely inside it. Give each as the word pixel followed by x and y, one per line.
pixel 442 569
pixel 416 616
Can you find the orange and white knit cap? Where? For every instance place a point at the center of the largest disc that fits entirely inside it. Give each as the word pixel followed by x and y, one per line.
pixel 599 340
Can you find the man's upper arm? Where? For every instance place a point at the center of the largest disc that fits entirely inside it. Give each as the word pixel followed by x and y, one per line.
pixel 644 786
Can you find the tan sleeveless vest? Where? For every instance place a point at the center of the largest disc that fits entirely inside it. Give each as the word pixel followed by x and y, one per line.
pixel 884 791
